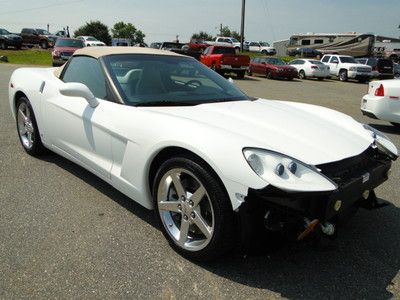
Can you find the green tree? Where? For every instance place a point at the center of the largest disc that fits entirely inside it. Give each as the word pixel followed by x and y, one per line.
pixel 96 29
pixel 127 31
pixel 230 33
pixel 202 35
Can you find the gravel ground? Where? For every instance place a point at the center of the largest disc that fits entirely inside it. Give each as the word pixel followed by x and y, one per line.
pixel 64 233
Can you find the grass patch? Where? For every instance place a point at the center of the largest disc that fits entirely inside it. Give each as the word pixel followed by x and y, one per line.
pixel 28 57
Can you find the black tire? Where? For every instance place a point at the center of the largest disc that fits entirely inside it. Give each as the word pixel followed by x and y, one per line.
pixel 302 74
pixel 320 78
pixel 268 74
pixel 44 44
pixel 249 72
pixel 37 147
pixel 343 75
pixel 240 74
pixel 264 52
pixel 3 45
pixel 223 237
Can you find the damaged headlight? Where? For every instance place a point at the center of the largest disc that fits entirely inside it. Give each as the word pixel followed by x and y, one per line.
pixel 285 172
pixel 383 142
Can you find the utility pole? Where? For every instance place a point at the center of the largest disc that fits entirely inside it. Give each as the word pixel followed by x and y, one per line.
pixel 48 27
pixel 220 30
pixel 242 26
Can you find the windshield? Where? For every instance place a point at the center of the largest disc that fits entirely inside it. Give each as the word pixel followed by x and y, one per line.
pixel 90 38
pixel 234 40
pixel 264 44
pixel 224 50
pixel 42 31
pixel 168 80
pixel 316 62
pixel 276 61
pixel 69 43
pixel 347 59
pixel 3 31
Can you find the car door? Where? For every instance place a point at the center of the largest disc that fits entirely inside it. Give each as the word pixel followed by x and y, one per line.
pixel 334 65
pixel 75 128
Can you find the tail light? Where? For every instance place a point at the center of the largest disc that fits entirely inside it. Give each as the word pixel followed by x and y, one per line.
pixel 380 91
pixel 314 67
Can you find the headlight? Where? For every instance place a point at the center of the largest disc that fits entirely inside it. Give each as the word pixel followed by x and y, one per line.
pixel 285 172
pixel 383 142
pixel 353 69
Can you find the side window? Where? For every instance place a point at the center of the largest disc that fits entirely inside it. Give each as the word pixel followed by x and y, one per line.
pixel 87 70
pixel 326 58
pixel 305 42
pixel 334 60
pixel 207 51
pixel 294 62
pixel 300 62
pixel 318 41
pixel 256 60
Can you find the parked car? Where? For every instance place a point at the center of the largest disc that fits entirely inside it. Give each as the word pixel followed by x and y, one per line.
pixel 260 47
pixel 223 59
pixel 157 137
pixel 39 37
pixel 381 68
pixel 383 101
pixel 345 67
pixel 90 41
pixel 393 54
pixel 272 67
pixel 305 52
pixel 196 45
pixel 64 48
pixel 225 41
pixel 156 45
pixel 396 71
pixel 310 68
pixel 8 39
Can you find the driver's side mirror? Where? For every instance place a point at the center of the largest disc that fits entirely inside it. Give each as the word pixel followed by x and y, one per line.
pixel 77 89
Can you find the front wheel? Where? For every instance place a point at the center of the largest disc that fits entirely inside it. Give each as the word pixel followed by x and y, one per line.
pixel 28 131
pixel 269 75
pixel 194 209
pixel 343 75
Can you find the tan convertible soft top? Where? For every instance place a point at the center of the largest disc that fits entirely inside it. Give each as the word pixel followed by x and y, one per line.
pixel 97 52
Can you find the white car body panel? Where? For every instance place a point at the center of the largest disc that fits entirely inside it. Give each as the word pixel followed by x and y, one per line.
pixel 385 107
pixel 91 43
pixel 322 71
pixel 118 142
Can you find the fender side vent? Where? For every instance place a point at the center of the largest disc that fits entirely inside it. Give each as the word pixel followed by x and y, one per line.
pixel 42 87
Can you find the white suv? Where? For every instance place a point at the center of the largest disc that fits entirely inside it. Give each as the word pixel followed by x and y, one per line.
pixel 346 67
pixel 261 47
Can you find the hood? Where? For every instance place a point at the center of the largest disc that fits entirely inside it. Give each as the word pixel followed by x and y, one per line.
pixel 309 133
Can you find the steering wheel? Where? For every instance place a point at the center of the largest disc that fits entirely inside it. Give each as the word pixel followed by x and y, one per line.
pixel 194 83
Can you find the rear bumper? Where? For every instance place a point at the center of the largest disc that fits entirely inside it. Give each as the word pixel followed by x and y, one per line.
pixel 381 108
pixel 324 206
pixel 233 68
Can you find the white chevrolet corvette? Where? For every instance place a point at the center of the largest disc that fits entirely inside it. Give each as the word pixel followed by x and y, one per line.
pixel 214 163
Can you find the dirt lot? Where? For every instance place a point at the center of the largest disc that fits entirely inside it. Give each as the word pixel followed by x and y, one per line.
pixel 66 234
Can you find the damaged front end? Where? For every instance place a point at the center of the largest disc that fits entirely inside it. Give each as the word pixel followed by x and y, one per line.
pixel 319 212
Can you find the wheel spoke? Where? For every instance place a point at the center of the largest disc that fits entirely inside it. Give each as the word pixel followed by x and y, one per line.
pixel 21 114
pixel 22 130
pixel 29 137
pixel 169 205
pixel 198 195
pixel 183 232
pixel 202 225
pixel 178 185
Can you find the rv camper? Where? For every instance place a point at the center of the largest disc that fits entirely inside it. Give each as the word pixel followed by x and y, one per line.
pixel 352 43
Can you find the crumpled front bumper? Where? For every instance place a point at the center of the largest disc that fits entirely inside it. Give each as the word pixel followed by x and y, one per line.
pixel 326 206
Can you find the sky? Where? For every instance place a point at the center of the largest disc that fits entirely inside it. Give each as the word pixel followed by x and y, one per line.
pixel 266 20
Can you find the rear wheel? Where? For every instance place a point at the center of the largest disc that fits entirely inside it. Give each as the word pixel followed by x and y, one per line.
pixel 343 75
pixel 28 131
pixel 240 74
pixel 302 74
pixel 194 210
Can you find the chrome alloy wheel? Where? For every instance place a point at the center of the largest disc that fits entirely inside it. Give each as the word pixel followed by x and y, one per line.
pixel 26 130
pixel 185 209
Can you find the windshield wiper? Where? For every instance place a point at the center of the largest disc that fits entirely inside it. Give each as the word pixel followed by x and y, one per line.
pixel 168 103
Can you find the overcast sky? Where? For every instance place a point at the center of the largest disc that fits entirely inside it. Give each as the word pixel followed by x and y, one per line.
pixel 162 20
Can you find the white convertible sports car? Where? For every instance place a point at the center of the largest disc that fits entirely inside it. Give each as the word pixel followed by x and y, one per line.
pixel 214 163
pixel 383 101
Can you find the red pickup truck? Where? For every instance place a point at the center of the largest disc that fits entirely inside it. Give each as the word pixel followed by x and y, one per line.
pixel 223 59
